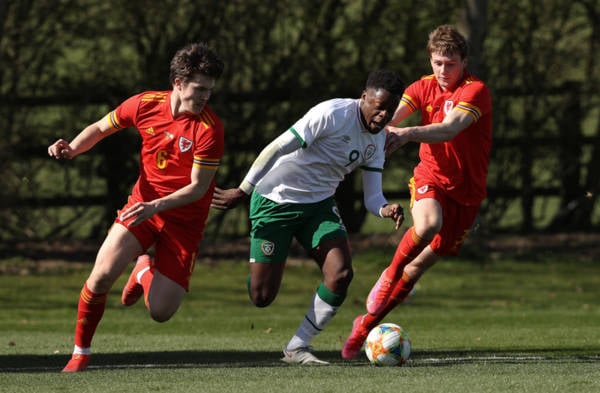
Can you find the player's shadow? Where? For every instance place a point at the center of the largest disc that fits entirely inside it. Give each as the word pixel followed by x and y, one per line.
pixel 233 359
pixel 168 359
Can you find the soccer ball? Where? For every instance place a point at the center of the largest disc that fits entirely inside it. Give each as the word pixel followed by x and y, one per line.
pixel 387 345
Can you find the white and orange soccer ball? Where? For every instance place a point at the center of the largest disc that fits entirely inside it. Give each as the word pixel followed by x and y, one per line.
pixel 387 345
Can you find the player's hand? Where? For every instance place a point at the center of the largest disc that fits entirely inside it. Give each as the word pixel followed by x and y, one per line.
pixel 139 212
pixel 227 199
pixel 61 149
pixel 395 138
pixel 395 212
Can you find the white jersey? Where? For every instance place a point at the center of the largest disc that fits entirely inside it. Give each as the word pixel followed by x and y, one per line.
pixel 334 143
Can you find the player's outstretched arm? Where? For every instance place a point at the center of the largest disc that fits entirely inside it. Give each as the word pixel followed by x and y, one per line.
pixel 227 199
pixel 84 141
pixel 453 123
pixel 200 181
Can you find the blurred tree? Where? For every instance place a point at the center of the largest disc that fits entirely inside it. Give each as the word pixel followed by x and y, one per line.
pixel 545 108
pixel 65 63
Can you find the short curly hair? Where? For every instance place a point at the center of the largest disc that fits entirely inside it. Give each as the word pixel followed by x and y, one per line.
pixel 193 59
pixel 385 79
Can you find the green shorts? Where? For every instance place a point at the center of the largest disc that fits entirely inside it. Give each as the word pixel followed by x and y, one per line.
pixel 274 225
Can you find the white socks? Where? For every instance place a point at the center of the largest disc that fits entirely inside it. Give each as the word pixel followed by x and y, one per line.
pixel 77 350
pixel 317 316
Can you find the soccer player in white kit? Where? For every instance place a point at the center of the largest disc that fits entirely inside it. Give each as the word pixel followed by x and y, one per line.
pixel 292 185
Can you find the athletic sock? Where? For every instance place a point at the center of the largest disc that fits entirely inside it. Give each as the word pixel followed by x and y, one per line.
pixel 145 278
pixel 89 313
pixel 399 293
pixel 409 248
pixel 77 350
pixel 322 309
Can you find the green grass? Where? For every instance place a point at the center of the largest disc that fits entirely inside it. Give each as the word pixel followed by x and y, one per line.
pixel 476 326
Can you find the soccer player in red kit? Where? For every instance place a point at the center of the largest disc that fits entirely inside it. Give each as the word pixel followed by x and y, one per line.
pixel 182 145
pixel 449 182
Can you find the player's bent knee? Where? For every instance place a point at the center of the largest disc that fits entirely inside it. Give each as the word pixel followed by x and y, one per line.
pixel 162 312
pixel 340 281
pixel 261 300
pixel 161 316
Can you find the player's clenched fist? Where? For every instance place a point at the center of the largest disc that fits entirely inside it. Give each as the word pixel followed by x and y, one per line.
pixel 60 149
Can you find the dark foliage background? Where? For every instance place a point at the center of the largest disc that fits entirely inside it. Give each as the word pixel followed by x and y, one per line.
pixel 64 64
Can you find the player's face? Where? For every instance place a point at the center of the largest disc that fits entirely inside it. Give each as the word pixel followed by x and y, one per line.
pixel 194 93
pixel 377 107
pixel 448 69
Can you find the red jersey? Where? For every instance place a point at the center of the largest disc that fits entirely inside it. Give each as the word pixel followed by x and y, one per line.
pixel 458 166
pixel 170 148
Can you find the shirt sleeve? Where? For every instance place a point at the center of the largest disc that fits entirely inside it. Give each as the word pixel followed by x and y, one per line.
pixel 283 144
pixel 475 100
pixel 314 124
pixel 125 115
pixel 412 96
pixel 372 191
pixel 210 141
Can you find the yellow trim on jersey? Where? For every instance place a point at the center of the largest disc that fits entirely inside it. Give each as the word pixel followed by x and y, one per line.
pixel 113 120
pixel 470 109
pixel 408 100
pixel 159 96
pixel 207 163
pixel 207 119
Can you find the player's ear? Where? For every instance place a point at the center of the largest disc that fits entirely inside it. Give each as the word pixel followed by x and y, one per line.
pixel 177 83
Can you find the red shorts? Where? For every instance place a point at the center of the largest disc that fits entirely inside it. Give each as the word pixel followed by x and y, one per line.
pixel 457 219
pixel 175 244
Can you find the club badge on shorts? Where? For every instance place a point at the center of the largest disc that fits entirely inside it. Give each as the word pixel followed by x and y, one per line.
pixel 267 248
pixel 423 189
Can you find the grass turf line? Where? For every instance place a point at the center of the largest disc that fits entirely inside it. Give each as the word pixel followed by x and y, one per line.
pixel 496 326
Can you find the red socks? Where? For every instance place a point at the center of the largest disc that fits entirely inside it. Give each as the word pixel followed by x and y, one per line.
pixel 411 245
pixel 89 313
pixel 399 293
pixel 409 248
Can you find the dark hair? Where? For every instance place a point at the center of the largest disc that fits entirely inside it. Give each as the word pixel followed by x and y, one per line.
pixel 446 39
pixel 385 79
pixel 195 58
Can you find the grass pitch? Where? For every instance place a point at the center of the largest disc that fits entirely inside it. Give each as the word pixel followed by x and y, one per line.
pixel 504 325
